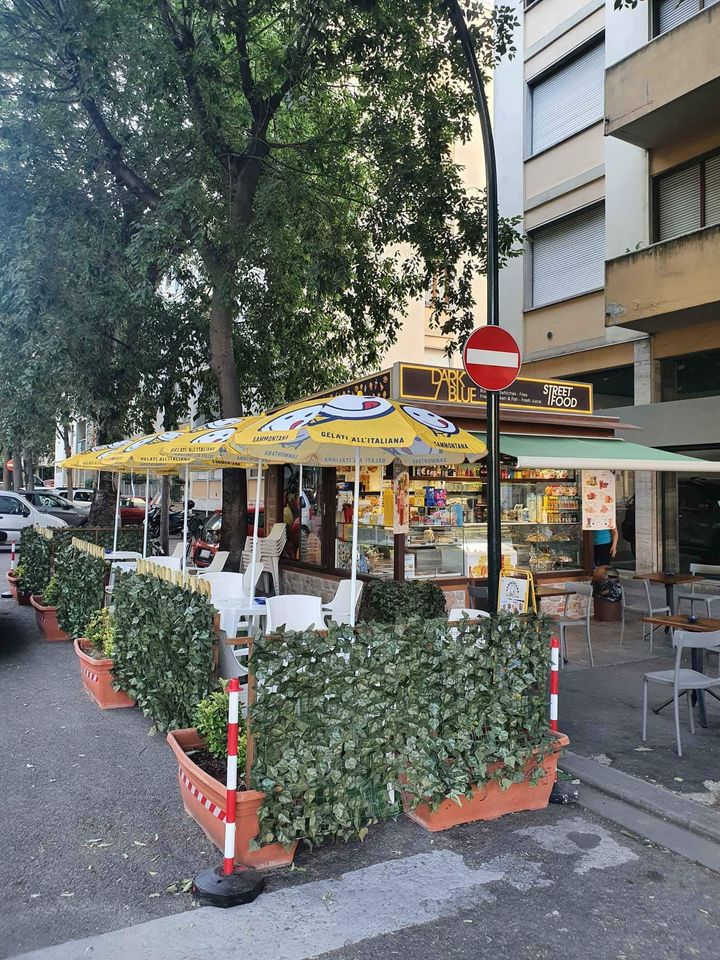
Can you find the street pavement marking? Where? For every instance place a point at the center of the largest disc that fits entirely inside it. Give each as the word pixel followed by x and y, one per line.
pixel 316 918
pixel 599 850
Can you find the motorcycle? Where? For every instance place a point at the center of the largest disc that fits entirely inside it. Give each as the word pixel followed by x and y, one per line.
pixel 176 520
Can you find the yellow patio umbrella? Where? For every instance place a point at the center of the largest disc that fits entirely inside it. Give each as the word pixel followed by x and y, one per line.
pixel 210 443
pixel 370 430
pixel 325 431
pixel 155 452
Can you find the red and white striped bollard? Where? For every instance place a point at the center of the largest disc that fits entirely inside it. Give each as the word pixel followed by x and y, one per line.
pixel 227 886
pixel 231 780
pixel 12 555
pixel 554 682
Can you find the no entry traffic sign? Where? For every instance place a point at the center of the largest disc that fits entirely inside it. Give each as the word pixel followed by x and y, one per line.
pixel 491 358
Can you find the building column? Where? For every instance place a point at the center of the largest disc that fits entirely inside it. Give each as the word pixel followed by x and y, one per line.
pixel 648 526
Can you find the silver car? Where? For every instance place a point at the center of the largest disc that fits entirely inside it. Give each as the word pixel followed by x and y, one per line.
pixel 81 498
pixel 49 502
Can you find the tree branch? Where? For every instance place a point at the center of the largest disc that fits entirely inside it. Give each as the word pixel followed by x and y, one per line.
pixel 113 157
pixel 183 40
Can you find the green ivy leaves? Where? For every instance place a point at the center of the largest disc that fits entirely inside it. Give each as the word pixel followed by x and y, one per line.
pixel 343 724
pixel 80 587
pixel 36 560
pixel 163 648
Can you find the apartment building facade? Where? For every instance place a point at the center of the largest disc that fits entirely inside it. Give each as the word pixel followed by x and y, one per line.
pixel 617 180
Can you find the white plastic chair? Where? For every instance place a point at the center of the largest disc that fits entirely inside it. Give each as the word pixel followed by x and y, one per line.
pixel 216 565
pixel 459 613
pixel 649 611
pixel 565 623
pixel 231 586
pixel 338 610
pixel 681 679
pixel 172 563
pixel 709 569
pixel 294 612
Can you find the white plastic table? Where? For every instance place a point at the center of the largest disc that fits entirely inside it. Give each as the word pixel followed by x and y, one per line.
pixel 233 611
pixel 122 555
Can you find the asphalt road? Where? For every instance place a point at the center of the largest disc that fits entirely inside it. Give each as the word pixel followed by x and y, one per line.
pixel 94 833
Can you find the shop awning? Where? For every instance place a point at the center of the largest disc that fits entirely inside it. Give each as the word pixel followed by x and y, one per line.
pixel 574 453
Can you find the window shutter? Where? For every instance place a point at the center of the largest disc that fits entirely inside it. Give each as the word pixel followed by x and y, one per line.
pixel 568 258
pixel 671 13
pixel 712 191
pixel 679 202
pixel 569 99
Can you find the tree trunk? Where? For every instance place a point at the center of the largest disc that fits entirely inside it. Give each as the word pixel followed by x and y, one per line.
pixel 6 476
pixel 68 453
pixel 17 467
pixel 222 361
pixel 102 509
pixel 29 472
pixel 165 516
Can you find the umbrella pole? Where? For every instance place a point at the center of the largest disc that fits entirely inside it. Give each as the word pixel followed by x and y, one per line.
pixel 256 529
pixel 147 505
pixel 354 556
pixel 117 514
pixel 185 517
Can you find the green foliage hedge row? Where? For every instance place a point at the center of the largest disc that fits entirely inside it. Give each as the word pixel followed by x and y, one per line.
pixel 389 600
pixel 80 586
pixel 341 717
pixel 163 647
pixel 36 559
pixel 37 554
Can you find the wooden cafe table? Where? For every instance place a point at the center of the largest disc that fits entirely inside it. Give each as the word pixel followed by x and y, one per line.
pixel 701 625
pixel 670 581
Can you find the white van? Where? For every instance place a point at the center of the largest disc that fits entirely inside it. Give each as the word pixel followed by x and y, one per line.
pixel 16 514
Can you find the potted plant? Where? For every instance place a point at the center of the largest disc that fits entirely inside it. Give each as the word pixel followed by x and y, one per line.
pixel 46 611
pixel 13 578
pixel 497 796
pixel 95 652
pixel 201 752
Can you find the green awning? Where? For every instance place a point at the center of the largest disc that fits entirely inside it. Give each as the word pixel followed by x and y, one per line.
pixel 575 453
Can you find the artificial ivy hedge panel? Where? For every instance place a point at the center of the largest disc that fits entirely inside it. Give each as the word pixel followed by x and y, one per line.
pixel 81 587
pixel 163 654
pixel 343 723
pixel 35 558
pixel 390 600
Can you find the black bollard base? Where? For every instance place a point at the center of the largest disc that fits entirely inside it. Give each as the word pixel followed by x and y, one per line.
pixel 564 791
pixel 213 888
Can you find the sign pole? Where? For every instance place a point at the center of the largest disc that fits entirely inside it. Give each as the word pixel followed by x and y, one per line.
pixel 493 314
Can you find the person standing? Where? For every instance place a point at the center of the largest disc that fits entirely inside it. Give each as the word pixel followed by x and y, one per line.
pixel 604 545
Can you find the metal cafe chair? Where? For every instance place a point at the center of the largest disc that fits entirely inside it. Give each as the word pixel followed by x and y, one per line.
pixel 565 623
pixel 711 570
pixel 682 679
pixel 648 611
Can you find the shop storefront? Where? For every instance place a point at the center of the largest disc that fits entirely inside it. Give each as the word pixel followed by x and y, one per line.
pixel 431 522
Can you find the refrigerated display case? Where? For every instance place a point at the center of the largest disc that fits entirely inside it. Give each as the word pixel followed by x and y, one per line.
pixel 541 523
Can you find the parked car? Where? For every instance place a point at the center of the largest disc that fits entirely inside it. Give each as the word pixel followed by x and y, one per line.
pixel 16 513
pixel 204 548
pixel 81 499
pixel 50 502
pixel 132 510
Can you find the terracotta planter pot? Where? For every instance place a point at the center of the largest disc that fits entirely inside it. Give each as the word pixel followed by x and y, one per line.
pixel 204 799
pixel 97 679
pixel 489 802
pixel 47 621
pixel 21 596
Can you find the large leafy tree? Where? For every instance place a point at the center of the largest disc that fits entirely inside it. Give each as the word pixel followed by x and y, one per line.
pixel 84 330
pixel 292 157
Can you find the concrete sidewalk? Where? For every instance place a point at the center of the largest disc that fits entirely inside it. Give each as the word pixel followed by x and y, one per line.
pixel 601 712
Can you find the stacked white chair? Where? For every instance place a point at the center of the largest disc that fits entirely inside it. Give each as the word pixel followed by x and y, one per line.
pixel 269 551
